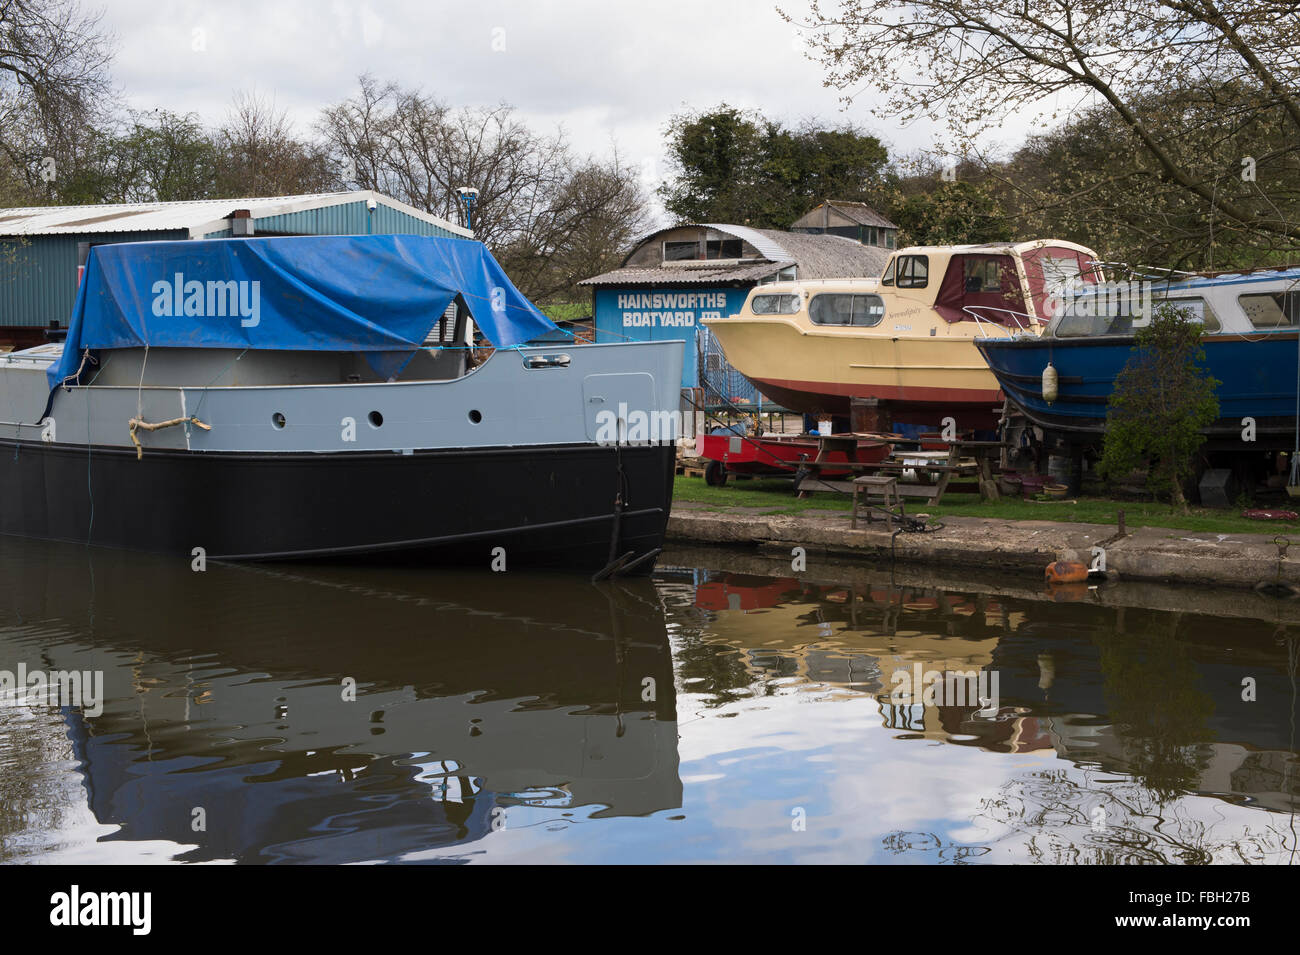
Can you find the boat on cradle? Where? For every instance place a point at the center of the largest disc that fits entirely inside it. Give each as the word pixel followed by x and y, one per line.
pixel 1250 322
pixel 274 398
pixel 906 338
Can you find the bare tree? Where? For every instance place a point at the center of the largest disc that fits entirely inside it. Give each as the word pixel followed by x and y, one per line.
pixel 55 93
pixel 537 204
pixel 974 63
pixel 53 51
pixel 261 155
pixel 598 213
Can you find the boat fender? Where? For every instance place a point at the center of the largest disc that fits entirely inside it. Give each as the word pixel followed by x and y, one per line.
pixel 1066 572
pixel 1068 593
pixel 1051 384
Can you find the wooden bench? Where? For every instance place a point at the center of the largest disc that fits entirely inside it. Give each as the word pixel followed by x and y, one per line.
pixel 884 485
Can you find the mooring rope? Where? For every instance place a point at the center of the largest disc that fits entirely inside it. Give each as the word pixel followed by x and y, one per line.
pixel 136 424
pixel 76 375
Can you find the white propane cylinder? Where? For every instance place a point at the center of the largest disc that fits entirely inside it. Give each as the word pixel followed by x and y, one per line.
pixel 1050 382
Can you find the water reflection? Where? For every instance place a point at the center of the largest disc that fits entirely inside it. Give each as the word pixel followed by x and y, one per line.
pixel 1138 709
pixel 226 701
pixel 741 714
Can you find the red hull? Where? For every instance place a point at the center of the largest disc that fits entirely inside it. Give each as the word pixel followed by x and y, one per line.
pixel 973 408
pixel 743 455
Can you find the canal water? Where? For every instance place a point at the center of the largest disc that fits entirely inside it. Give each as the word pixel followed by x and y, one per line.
pixel 729 709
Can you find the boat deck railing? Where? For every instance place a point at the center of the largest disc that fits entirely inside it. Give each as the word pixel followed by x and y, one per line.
pixel 1024 322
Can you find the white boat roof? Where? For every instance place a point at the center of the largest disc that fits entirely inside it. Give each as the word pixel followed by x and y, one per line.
pixel 46 354
pixel 815 285
pixel 993 248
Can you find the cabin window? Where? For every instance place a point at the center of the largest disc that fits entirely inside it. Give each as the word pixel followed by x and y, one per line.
pixel 888 277
pixel 775 304
pixel 689 251
pixel 913 271
pixel 1271 309
pixel 1059 271
pixel 846 309
pixel 1198 310
pixel 986 274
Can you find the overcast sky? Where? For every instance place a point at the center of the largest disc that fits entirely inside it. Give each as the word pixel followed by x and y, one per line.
pixel 608 72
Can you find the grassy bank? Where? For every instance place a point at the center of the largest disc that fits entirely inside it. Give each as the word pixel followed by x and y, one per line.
pixel 773 496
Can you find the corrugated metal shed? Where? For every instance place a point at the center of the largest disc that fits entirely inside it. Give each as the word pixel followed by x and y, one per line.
pixel 813 256
pixel 766 241
pixel 858 212
pixel 39 245
pixel 680 275
pixel 202 218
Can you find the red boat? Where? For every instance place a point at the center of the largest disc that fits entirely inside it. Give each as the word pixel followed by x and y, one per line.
pixel 782 455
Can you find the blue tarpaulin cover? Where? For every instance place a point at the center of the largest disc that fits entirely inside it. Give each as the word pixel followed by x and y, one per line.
pixel 378 294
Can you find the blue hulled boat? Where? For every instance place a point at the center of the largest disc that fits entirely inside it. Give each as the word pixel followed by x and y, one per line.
pixel 1250 319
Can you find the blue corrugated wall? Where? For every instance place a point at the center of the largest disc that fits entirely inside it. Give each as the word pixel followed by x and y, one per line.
pixel 38 275
pixel 348 218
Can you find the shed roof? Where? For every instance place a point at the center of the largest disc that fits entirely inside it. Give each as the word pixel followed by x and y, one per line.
pixel 814 256
pixel 859 212
pixel 198 217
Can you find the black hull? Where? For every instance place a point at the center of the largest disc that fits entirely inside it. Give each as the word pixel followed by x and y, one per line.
pixel 550 506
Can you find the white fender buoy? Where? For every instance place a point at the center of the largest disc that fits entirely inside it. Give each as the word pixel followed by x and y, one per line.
pixel 1050 382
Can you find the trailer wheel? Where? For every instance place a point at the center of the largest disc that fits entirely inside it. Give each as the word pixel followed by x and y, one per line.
pixel 714 475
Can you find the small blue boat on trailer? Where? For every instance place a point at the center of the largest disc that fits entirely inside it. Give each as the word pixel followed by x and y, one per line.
pixel 1251 320
pixel 316 397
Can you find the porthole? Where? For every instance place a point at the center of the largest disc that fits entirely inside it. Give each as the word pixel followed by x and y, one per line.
pixel 277 420
pixel 475 416
pixel 376 419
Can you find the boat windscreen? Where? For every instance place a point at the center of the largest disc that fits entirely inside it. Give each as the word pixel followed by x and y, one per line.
pixel 1100 314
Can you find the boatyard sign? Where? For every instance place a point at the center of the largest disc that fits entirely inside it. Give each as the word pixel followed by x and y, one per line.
pixel 670 309
pixel 624 314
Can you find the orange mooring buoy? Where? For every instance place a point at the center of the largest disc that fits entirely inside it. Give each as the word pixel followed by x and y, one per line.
pixel 1066 572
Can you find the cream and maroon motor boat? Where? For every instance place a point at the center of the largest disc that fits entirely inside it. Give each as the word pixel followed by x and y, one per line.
pixel 905 338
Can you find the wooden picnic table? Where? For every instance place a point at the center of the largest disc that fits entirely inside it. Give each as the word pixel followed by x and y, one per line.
pixel 945 465
pixel 827 444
